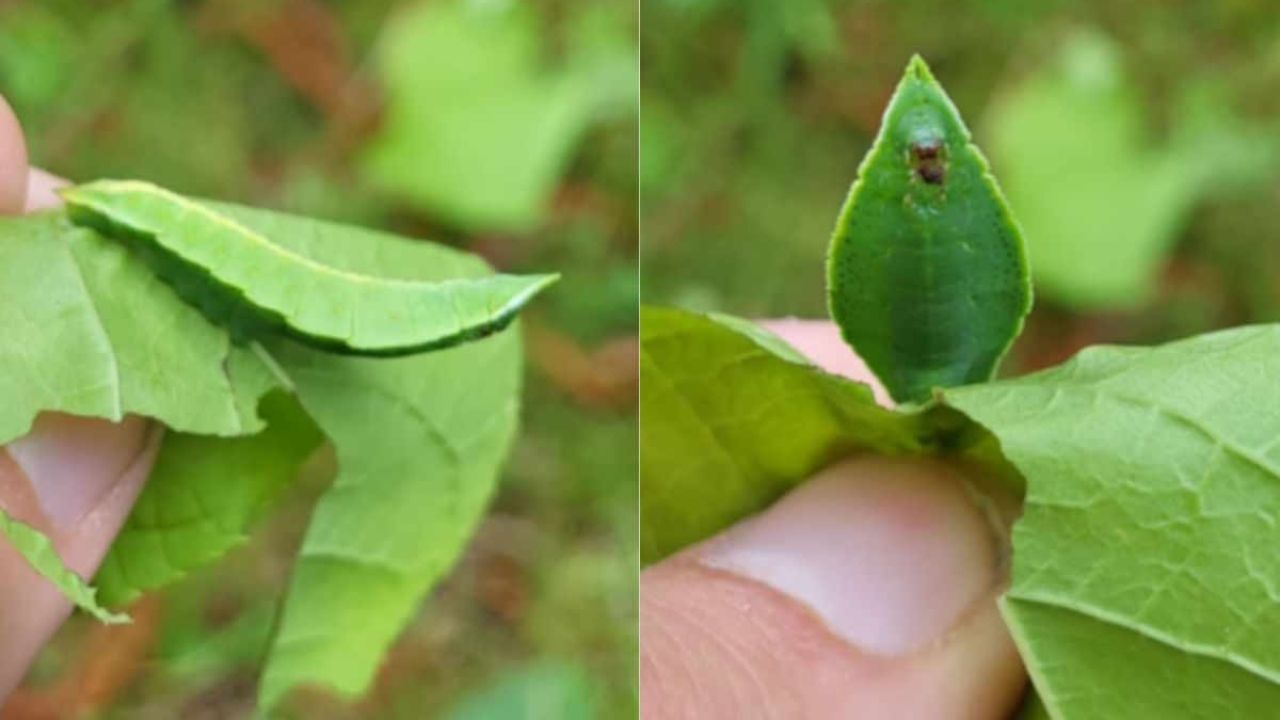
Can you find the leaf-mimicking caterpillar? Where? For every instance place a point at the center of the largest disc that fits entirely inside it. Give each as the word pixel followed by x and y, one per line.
pixel 242 280
pixel 926 274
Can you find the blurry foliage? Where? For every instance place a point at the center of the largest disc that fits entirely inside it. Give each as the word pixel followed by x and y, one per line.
pixel 1099 201
pixel 534 693
pixel 752 132
pixel 475 128
pixel 281 104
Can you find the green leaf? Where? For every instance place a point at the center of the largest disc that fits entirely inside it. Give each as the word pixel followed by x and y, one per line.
pixel 1100 200
pixel 475 127
pixel 241 277
pixel 203 495
pixel 90 331
pixel 37 550
pixel 419 442
pixel 1145 581
pixel 733 418
pixel 926 273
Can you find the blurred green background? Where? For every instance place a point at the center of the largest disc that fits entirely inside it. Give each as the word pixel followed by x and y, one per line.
pixel 1136 142
pixel 504 127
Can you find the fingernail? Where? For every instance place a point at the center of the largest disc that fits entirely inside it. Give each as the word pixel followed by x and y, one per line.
pixel 72 462
pixel 889 553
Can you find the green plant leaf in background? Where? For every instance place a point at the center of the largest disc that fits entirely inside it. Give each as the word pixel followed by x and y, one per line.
pixel 1145 575
pixel 478 127
pixel 1100 201
pixel 241 278
pixel 539 691
pixel 926 272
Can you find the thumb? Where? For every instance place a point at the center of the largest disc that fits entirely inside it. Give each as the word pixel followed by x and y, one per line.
pixel 868 592
pixel 73 479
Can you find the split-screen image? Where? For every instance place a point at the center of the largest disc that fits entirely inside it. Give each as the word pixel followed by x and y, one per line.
pixel 660 359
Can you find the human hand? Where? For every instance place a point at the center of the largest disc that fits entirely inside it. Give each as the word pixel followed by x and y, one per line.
pixel 867 592
pixel 74 479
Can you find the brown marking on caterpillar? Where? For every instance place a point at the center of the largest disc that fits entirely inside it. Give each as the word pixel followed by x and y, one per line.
pixel 929 164
pixel 932 173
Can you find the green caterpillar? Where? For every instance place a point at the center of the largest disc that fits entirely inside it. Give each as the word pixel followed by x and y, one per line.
pixel 926 274
pixel 240 279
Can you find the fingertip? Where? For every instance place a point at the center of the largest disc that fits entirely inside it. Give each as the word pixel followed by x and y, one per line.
pixel 72 463
pixel 821 342
pixel 715 645
pixel 868 592
pixel 42 190
pixel 13 162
